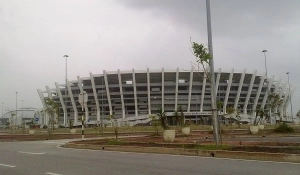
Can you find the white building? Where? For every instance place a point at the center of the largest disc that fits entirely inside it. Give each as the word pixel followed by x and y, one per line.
pixel 22 116
pixel 134 95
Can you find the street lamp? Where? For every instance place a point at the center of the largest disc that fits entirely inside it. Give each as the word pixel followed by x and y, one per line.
pixel 22 112
pixel 288 74
pixel 66 111
pixel 16 108
pixel 2 110
pixel 264 51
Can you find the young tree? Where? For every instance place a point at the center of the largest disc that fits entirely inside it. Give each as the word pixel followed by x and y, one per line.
pixel 230 111
pixel 52 110
pixel 163 119
pixel 176 116
pixel 274 102
pixel 204 58
pixel 182 117
pixel 155 123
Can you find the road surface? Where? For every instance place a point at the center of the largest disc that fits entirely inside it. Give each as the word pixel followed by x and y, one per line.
pixel 46 157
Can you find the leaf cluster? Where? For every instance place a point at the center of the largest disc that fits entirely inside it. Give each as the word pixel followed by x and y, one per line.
pixel 201 52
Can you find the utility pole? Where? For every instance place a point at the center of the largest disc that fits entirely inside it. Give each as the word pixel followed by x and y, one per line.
pixel 288 74
pixel 66 78
pixel 16 108
pixel 212 74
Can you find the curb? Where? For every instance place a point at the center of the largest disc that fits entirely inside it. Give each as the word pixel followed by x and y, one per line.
pixel 262 156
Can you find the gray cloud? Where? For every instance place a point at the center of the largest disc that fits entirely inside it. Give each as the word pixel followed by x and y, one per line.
pixel 126 34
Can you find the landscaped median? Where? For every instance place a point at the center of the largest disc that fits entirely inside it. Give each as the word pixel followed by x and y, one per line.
pixel 187 149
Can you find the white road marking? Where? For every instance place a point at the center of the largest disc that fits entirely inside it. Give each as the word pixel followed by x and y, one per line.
pixel 52 173
pixel 31 153
pixel 60 143
pixel 11 166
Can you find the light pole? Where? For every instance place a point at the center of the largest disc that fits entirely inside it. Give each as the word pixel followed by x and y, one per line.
pixel 288 74
pixel 22 112
pixel 267 91
pixel 66 112
pixel 16 108
pixel 264 51
pixel 2 110
pixel 212 79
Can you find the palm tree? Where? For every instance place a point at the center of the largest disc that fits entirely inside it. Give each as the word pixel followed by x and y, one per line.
pixel 162 117
pixel 182 117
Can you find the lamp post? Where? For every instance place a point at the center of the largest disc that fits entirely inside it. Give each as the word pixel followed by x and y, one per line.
pixel 264 51
pixel 212 79
pixel 66 111
pixel 22 112
pixel 267 91
pixel 16 108
pixel 288 74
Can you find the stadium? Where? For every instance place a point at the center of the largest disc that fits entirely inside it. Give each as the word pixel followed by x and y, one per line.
pixel 132 96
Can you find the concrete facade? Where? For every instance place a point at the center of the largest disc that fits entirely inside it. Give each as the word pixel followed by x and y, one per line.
pixel 134 94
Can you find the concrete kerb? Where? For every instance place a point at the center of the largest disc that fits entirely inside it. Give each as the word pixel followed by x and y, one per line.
pixel 262 156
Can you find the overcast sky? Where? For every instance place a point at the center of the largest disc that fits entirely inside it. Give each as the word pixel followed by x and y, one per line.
pixel 124 34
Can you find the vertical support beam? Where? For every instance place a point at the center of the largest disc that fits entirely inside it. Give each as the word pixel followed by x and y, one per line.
pixel 277 85
pixel 283 88
pixel 239 90
pixel 72 101
pixel 61 99
pixel 95 96
pixel 86 109
pixel 262 80
pixel 134 91
pixel 163 89
pixel 49 93
pixel 148 89
pixel 228 90
pixel 218 81
pixel 268 90
pixel 203 92
pixel 107 92
pixel 121 92
pixel 190 89
pixel 43 103
pixel 176 89
pixel 249 92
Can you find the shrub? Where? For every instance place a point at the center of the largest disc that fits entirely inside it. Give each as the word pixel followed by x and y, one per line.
pixel 45 127
pixel 284 128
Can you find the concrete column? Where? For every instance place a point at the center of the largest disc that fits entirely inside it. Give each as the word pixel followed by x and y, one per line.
pixel 148 89
pixel 49 93
pixel 107 92
pixel 203 92
pixel 62 102
pixel 95 96
pixel 267 92
pixel 228 90
pixel 190 90
pixel 43 103
pixel 121 92
pixel 218 81
pixel 135 95
pixel 249 92
pixel 262 80
pixel 176 89
pixel 86 109
pixel 72 101
pixel 163 89
pixel 239 90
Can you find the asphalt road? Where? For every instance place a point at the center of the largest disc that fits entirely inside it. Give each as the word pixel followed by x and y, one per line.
pixel 45 157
